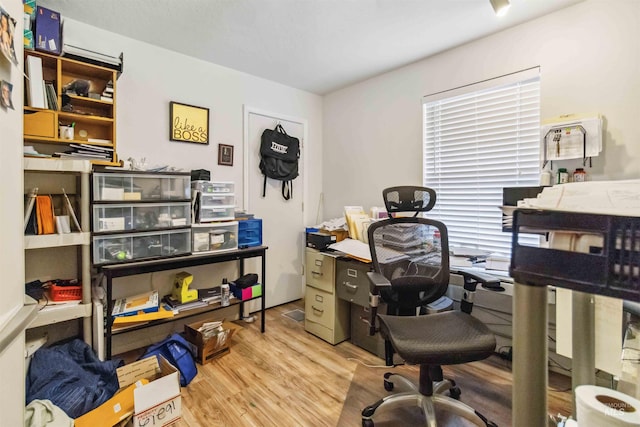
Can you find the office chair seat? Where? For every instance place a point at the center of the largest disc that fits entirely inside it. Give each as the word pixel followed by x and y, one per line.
pixel 448 338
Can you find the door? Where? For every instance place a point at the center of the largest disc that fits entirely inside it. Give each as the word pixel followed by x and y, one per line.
pixel 282 220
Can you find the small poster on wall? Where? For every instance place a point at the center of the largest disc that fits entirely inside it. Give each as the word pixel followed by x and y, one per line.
pixel 7 30
pixel 189 123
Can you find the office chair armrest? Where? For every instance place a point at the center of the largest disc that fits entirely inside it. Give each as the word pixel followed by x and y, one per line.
pixel 376 282
pixel 472 278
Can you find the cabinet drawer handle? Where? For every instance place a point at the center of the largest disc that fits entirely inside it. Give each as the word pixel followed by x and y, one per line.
pixel 317 309
pixel 318 273
pixel 350 286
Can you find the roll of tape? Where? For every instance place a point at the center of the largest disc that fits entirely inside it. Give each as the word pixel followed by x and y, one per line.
pixel 600 406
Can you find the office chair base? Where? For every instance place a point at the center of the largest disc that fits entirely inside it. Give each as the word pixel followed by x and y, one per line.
pixel 428 405
pixel 392 380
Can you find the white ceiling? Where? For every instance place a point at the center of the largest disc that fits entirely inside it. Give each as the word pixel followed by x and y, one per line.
pixel 315 45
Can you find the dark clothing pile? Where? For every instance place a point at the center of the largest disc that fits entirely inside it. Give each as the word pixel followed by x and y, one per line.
pixel 72 377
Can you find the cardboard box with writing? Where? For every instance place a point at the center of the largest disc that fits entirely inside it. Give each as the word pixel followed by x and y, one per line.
pixel 149 391
pixel 157 403
pixel 209 349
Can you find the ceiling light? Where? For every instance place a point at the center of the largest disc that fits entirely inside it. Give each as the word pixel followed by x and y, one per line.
pixel 500 6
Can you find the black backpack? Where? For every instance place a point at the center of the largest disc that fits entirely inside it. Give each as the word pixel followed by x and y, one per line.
pixel 279 154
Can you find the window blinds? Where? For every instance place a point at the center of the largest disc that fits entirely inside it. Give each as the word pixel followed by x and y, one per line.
pixel 476 143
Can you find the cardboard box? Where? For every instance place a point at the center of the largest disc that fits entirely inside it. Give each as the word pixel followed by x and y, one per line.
pixel 211 349
pixel 48 31
pixel 157 403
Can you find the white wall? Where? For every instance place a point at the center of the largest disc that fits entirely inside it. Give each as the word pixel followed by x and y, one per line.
pixel 11 221
pixel 155 76
pixel 589 56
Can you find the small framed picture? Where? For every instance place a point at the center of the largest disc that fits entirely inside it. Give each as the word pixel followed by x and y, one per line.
pixel 189 123
pixel 225 155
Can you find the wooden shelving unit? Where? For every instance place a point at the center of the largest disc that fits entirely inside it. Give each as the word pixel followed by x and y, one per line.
pixel 94 116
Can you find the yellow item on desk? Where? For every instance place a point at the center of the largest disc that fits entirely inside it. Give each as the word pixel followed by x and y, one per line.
pixel 181 291
pixel 113 410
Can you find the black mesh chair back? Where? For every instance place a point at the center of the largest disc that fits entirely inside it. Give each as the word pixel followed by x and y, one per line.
pixel 409 252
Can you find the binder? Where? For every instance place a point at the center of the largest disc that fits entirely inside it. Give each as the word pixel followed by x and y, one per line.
pixel 45 215
pixel 35 86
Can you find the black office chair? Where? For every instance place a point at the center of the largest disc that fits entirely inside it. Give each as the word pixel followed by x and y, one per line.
pixel 411 270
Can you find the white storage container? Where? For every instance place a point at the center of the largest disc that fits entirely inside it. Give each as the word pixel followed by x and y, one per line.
pixel 206 187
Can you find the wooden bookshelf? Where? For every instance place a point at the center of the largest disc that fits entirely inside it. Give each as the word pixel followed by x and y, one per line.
pixel 93 119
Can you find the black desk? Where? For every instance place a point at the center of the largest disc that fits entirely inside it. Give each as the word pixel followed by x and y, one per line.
pixel 129 269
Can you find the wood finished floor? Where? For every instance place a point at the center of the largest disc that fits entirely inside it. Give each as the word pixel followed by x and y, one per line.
pixel 288 377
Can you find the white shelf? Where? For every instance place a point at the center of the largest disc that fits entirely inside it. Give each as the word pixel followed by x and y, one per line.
pixel 56 240
pixel 60 313
pixel 56 165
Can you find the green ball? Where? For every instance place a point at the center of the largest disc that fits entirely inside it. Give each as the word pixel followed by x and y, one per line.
pixel 121 255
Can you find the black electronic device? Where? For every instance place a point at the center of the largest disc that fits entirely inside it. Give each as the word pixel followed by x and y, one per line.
pixel 320 241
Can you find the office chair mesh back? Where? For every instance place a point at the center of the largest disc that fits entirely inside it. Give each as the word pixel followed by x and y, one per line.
pixel 408 252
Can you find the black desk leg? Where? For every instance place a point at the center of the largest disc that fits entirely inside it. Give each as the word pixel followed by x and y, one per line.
pixel 264 296
pixel 107 315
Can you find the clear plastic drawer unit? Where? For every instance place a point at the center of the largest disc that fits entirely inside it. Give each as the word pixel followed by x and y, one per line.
pixel 140 187
pixel 215 237
pixel 140 217
pixel 115 248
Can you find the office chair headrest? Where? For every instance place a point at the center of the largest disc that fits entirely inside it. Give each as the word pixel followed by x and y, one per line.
pixel 408 199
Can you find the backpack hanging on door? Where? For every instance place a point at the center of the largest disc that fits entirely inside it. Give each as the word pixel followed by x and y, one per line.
pixel 279 154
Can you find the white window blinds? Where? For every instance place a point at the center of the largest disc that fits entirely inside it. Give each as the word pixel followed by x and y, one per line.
pixel 477 140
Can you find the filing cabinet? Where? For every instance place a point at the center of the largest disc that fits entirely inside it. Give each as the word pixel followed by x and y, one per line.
pixel 326 316
pixel 352 284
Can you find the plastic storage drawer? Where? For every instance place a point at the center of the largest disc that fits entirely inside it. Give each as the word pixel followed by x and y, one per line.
pixel 214 200
pixel 141 216
pixel 206 187
pixel 115 248
pixel 140 187
pixel 215 237
pixel 249 233
pixel 223 213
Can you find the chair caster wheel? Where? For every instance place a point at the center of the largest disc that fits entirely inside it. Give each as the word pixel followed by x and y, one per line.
pixel 367 423
pixel 388 385
pixel 455 392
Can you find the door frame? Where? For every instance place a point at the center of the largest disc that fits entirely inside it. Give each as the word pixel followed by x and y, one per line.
pixel 247 110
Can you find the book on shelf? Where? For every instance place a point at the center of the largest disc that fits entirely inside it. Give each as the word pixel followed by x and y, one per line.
pixel 146 302
pixel 52 98
pixel 44 215
pixel 29 213
pixel 106 99
pixel 143 316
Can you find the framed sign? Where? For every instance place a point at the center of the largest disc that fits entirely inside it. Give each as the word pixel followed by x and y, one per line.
pixel 225 155
pixel 189 123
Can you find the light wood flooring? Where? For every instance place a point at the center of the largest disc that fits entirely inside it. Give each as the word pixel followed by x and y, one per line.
pixel 288 377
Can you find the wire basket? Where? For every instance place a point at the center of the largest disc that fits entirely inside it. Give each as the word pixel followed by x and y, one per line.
pixel 65 293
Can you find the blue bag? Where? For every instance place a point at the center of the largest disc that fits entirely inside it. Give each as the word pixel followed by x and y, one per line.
pixel 177 352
